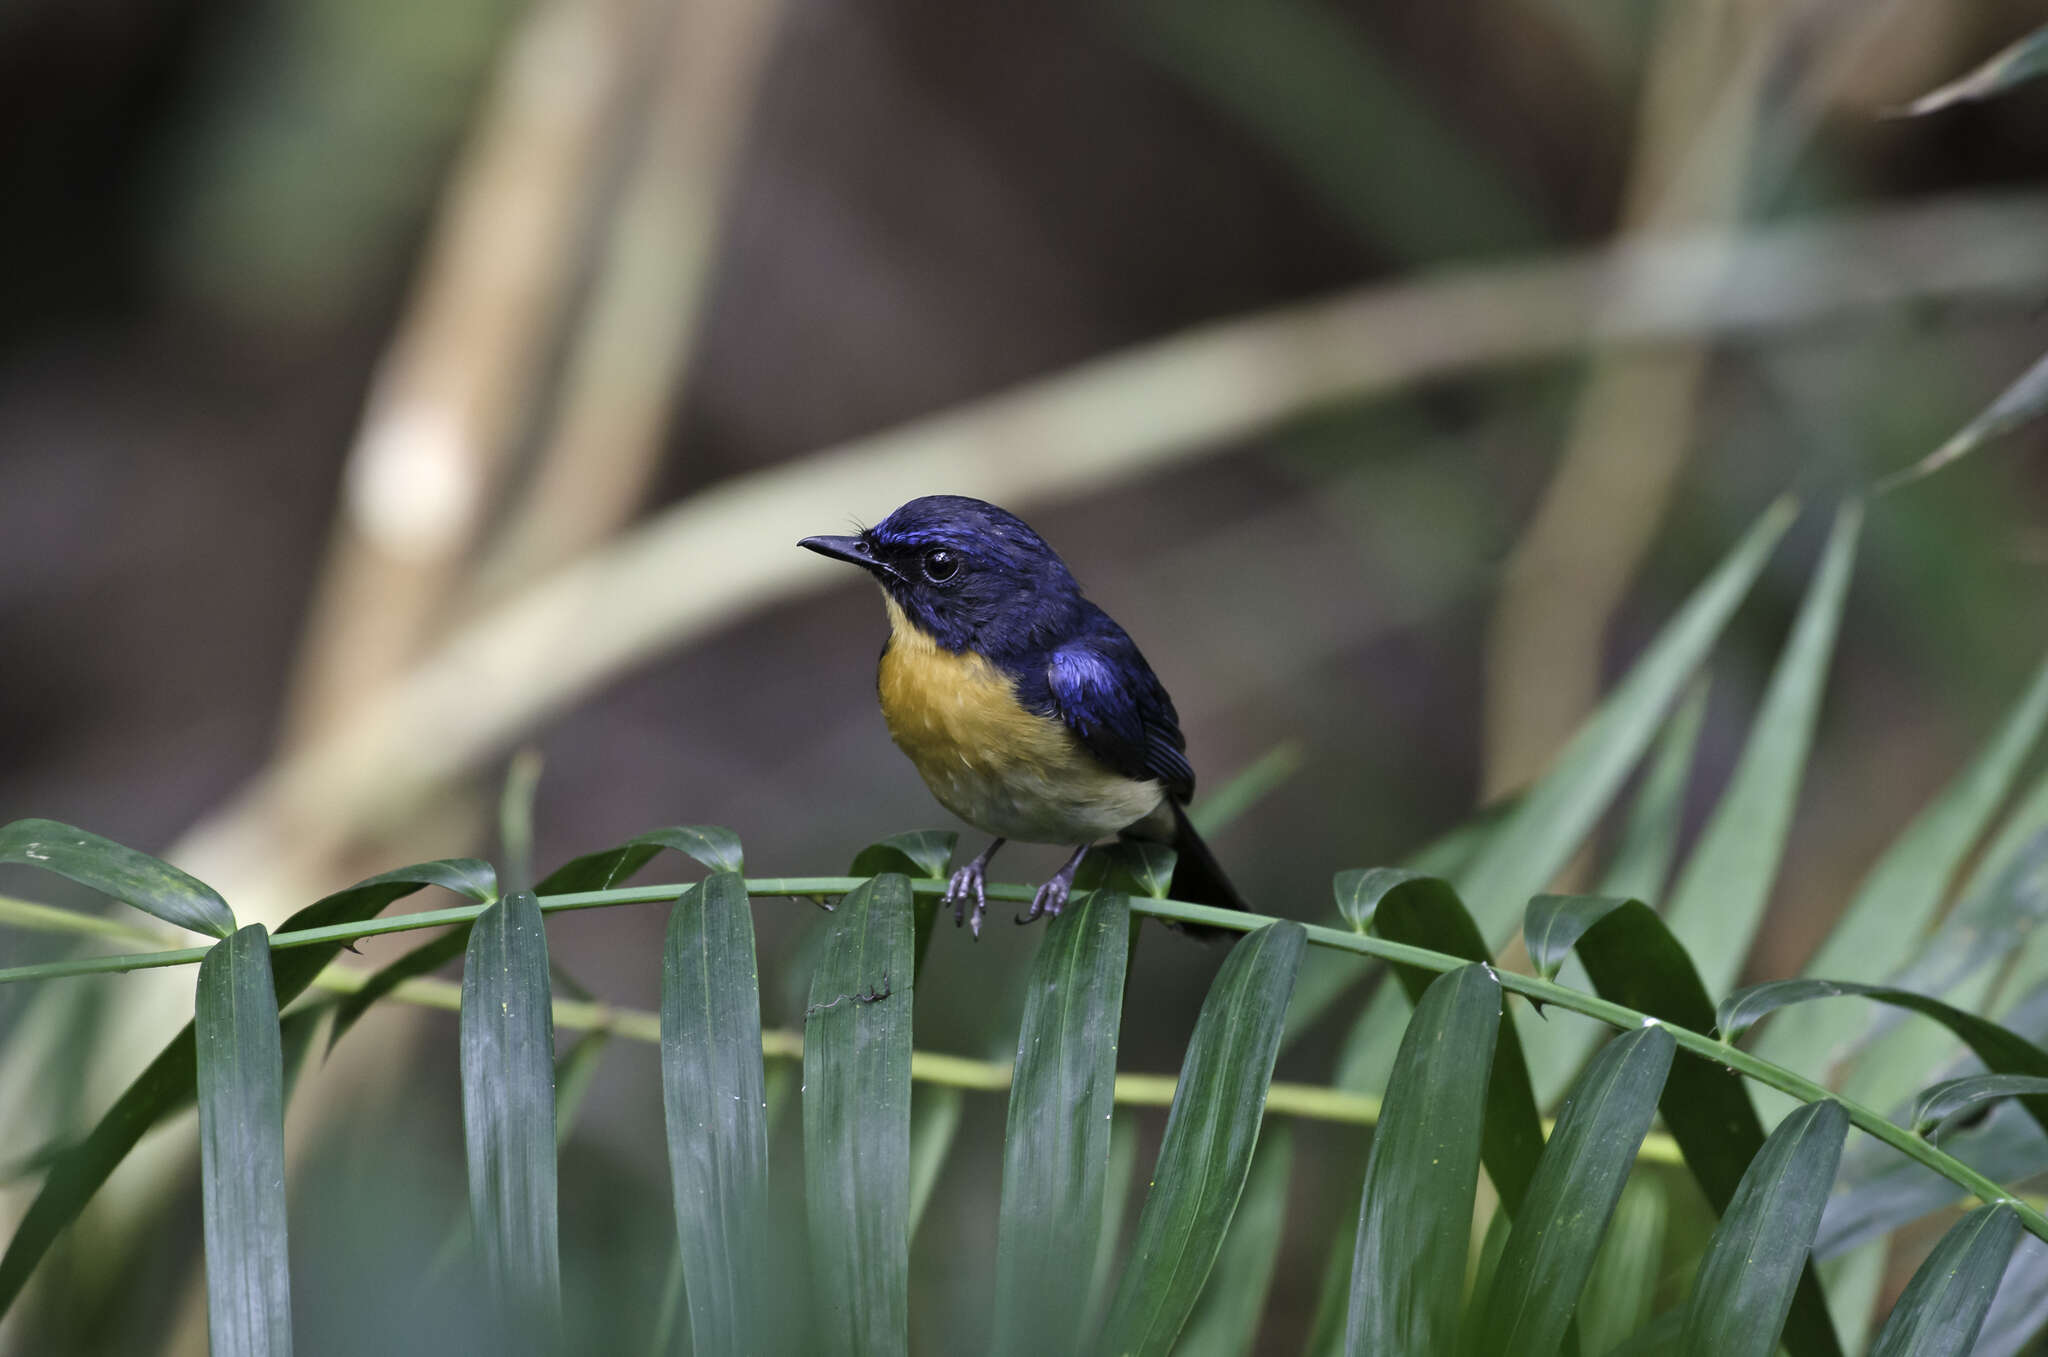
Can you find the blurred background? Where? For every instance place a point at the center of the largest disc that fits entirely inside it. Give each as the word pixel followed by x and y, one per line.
pixel 384 386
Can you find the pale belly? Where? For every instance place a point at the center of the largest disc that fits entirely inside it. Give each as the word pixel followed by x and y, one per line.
pixel 997 766
pixel 1012 800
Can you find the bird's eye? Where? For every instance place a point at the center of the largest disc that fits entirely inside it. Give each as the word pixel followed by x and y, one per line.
pixel 940 565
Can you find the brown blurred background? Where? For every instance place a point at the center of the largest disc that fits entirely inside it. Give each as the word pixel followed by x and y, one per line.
pixel 335 332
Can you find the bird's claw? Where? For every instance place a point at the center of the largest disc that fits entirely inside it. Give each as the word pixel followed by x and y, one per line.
pixel 1050 899
pixel 965 885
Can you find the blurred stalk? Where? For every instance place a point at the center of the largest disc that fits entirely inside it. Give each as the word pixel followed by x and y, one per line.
pixel 1349 120
pixel 515 821
pixel 1734 92
pixel 527 226
pixel 439 434
pixel 444 406
pixel 613 230
pixel 1701 100
pixel 629 357
pixel 451 395
pixel 1105 421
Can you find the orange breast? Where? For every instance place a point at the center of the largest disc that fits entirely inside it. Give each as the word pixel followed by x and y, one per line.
pixel 987 758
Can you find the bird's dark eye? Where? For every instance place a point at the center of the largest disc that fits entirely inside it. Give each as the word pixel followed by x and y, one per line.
pixel 940 565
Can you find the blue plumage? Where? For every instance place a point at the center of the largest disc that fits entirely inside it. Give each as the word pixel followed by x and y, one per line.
pixel 1102 688
pixel 1016 604
pixel 1026 708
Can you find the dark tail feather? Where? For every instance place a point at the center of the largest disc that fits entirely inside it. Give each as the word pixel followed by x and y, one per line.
pixel 1197 877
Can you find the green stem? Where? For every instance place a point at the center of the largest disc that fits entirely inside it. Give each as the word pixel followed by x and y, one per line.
pixel 819 887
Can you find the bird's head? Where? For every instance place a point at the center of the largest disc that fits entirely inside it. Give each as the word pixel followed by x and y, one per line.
pixel 971 575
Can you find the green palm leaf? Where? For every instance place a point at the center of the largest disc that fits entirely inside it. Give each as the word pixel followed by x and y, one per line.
pixel 2012 65
pixel 1746 1283
pixel 1720 897
pixel 1415 1213
pixel 1556 815
pixel 508 1116
pixel 2003 1050
pixel 1943 1307
pixel 1633 960
pixel 715 1111
pixel 137 879
pixel 241 1149
pixel 168 1083
pixel 1556 1237
pixel 1226 1319
pixel 1885 921
pixel 857 1121
pixel 1056 1148
pixel 1207 1151
pixel 1425 912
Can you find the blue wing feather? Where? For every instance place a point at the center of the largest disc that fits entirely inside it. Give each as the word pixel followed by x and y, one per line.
pixel 1101 687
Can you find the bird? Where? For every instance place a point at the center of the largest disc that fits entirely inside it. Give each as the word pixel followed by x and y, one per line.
pixel 1026 709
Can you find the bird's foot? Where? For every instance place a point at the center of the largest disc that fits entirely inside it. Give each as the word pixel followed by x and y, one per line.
pixel 1051 898
pixel 965 887
pixel 969 885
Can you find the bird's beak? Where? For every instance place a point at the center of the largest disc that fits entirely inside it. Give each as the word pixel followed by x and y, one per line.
pixel 850 549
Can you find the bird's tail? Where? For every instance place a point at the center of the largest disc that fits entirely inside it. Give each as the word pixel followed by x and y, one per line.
pixel 1197 877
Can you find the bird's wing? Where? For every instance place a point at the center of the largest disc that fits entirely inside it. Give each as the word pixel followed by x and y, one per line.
pixel 1108 696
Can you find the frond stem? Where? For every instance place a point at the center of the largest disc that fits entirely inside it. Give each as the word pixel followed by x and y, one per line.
pixel 820 888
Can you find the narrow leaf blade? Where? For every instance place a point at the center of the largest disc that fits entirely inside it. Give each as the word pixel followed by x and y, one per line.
pixel 1640 869
pixel 2002 1050
pixel 1118 1181
pixel 920 854
pixel 1745 1285
pixel 2020 1309
pixel 1557 1233
pixel 1641 866
pixel 2021 61
pixel 1133 865
pixel 1720 898
pixel 857 1121
pixel 1367 1055
pixel 1549 824
pixel 1425 912
pixel 1889 915
pixel 1944 1306
pixel 1952 1097
pixel 1620 1295
pixel 508 1113
pixel 149 884
pixel 713 846
pixel 1415 1213
pixel 167 1084
pixel 715 1110
pixel 2018 404
pixel 1634 961
pixel 1211 1132
pixel 1226 1320
pixel 1056 1145
pixel 241 1149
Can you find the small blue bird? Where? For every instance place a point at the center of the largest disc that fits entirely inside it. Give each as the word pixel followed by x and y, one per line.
pixel 1027 711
